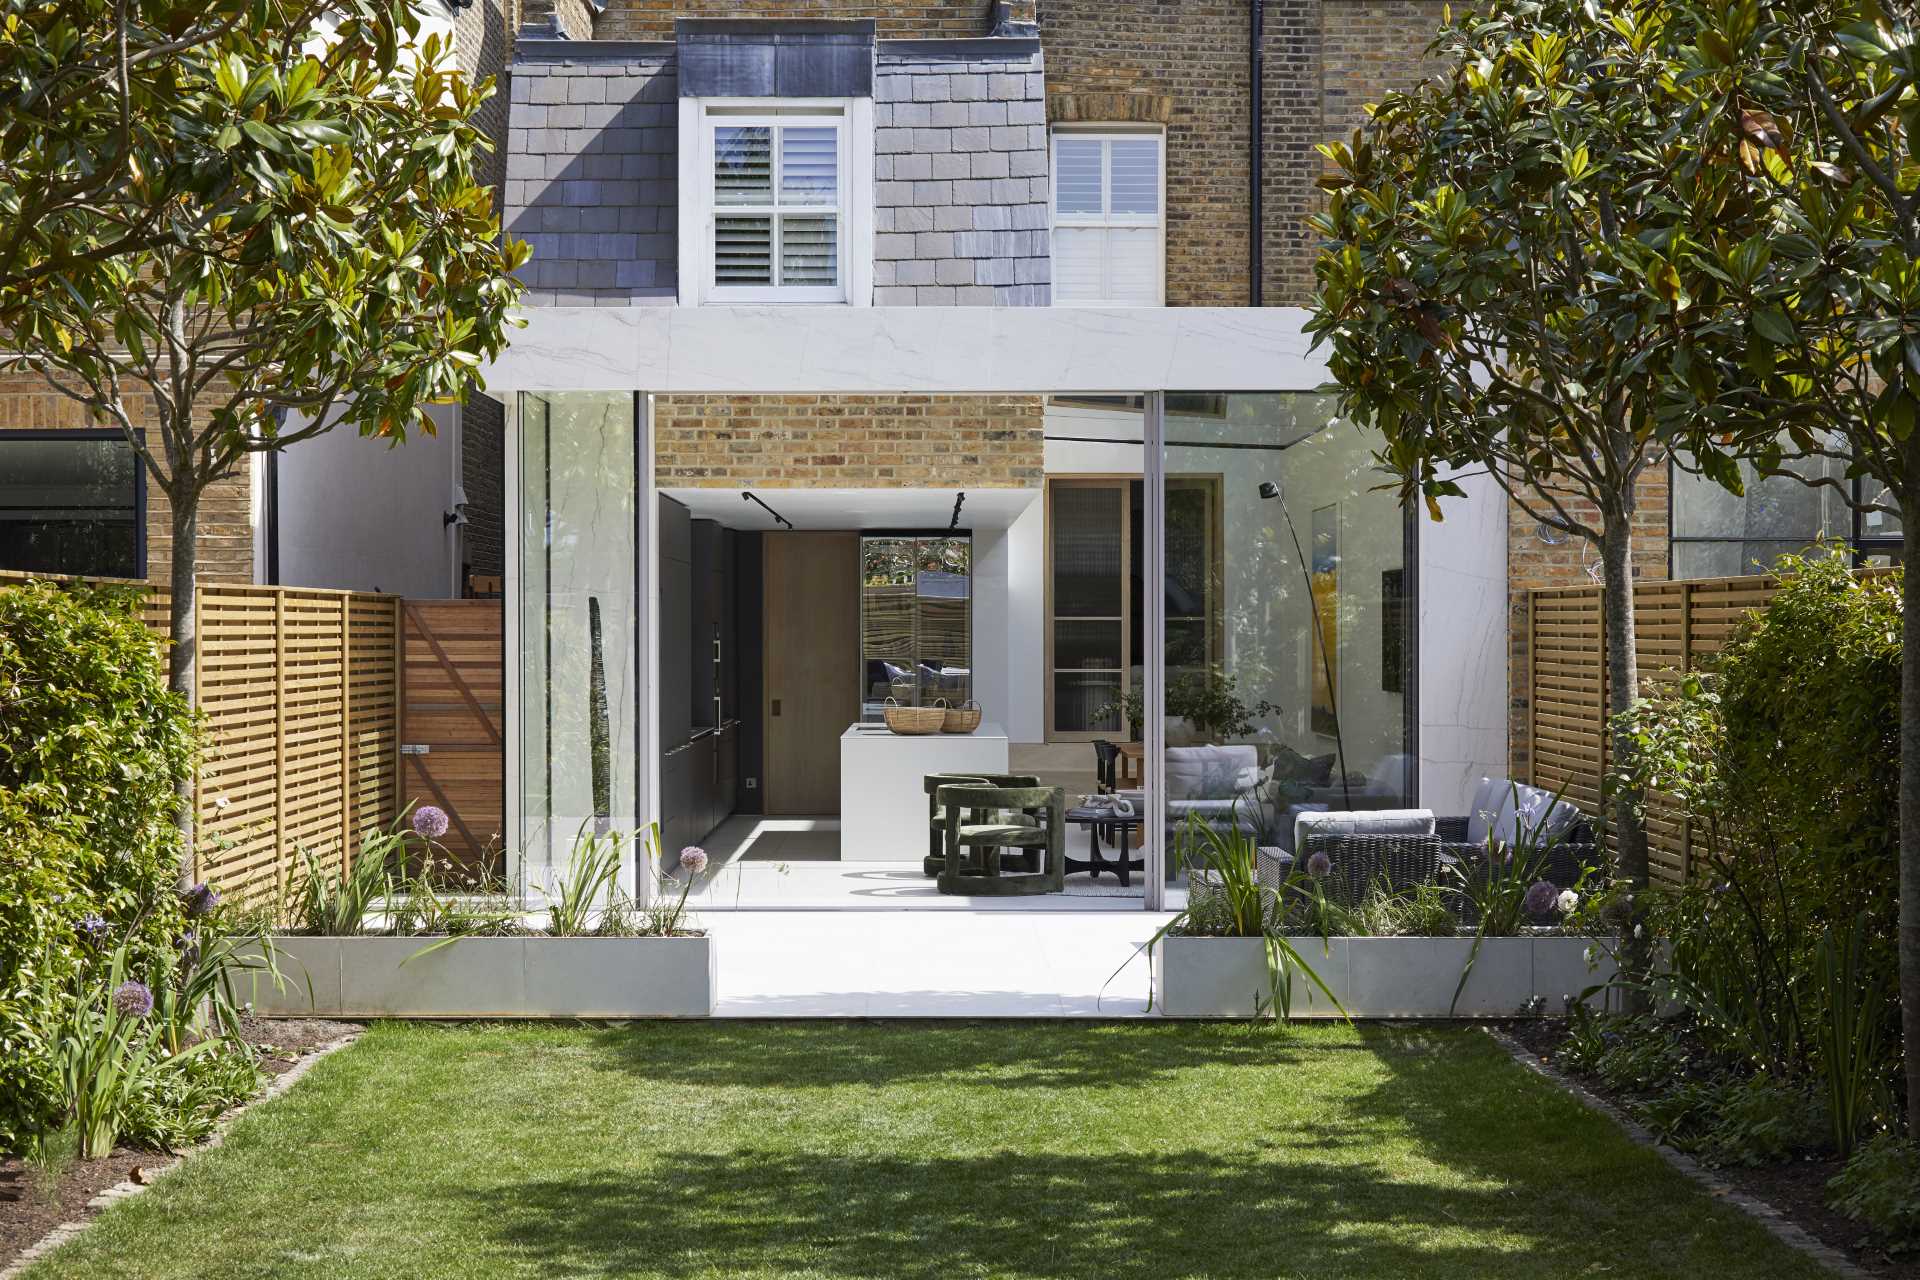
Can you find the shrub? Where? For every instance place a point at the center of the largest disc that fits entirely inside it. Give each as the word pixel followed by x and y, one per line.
pixel 1785 753
pixel 1881 1187
pixel 92 748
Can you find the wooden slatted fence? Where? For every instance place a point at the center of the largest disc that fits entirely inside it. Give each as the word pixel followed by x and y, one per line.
pixel 300 689
pixel 1678 627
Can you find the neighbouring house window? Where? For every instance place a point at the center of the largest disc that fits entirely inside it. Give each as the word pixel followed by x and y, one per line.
pixel 1717 534
pixel 778 206
pixel 1096 594
pixel 1108 223
pixel 71 503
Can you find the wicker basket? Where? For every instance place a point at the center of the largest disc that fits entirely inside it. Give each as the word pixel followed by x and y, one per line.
pixel 902 719
pixel 964 718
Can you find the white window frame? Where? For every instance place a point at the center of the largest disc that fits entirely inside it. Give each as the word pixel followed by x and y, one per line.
pixel 1109 133
pixel 853 118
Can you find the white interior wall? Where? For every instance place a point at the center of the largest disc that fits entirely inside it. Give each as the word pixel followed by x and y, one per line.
pixel 359 514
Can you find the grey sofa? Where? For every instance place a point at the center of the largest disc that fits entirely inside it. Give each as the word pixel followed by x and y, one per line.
pixel 1360 854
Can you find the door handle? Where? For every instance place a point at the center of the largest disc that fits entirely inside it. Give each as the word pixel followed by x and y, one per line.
pixel 776 706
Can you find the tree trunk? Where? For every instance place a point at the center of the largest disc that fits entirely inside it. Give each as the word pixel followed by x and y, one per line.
pixel 182 658
pixel 1910 795
pixel 1623 687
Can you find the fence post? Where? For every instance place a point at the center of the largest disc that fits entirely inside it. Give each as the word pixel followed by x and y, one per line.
pixel 199 664
pixel 346 728
pixel 280 735
pixel 1686 665
pixel 399 605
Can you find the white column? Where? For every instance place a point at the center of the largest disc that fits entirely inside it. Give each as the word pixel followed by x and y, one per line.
pixel 1153 633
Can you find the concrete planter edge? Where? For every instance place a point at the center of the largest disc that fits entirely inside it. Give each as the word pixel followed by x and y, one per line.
pixel 515 977
pixel 1375 977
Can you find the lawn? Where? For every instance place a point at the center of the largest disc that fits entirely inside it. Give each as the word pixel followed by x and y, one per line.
pixel 922 1150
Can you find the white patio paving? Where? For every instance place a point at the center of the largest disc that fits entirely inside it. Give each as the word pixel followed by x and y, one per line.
pixel 915 963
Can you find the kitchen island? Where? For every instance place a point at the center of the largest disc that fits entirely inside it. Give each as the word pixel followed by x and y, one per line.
pixel 883 798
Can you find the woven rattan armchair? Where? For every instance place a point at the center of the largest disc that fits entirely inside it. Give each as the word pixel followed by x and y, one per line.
pixel 1359 860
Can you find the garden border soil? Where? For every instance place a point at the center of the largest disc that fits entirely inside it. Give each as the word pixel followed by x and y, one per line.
pixel 1806 1224
pixel 31 1226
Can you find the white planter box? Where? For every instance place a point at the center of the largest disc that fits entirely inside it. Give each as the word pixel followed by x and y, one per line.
pixel 1372 977
pixel 375 977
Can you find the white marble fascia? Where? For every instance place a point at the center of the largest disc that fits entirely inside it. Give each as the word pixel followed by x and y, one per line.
pixel 1463 644
pixel 868 350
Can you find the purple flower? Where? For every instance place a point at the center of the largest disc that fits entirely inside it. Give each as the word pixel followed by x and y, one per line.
pixel 201 899
pixel 694 859
pixel 1319 865
pixel 133 999
pixel 429 822
pixel 91 927
pixel 1541 898
pixel 190 947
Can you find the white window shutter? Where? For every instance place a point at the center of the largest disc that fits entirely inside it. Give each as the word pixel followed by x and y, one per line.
pixel 1133 266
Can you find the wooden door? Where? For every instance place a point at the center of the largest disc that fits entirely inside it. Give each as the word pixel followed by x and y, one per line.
pixel 452 723
pixel 813 666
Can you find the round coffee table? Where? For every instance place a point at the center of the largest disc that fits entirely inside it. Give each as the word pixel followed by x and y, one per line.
pixel 1122 829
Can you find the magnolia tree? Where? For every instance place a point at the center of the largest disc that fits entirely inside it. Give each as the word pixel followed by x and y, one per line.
pixel 78 82
pixel 1509 282
pixel 1829 302
pixel 326 257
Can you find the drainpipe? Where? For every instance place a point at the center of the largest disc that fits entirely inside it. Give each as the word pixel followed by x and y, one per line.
pixel 1256 221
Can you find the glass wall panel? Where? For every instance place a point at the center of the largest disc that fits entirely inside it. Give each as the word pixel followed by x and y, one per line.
pixel 1286 625
pixel 578 556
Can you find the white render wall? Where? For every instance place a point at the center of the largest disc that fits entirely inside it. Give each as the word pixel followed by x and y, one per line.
pixel 358 514
pixel 1463 645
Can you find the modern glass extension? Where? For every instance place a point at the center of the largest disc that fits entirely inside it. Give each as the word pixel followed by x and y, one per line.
pixel 1198 602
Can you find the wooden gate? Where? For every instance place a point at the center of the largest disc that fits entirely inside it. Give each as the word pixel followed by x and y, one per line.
pixel 453 722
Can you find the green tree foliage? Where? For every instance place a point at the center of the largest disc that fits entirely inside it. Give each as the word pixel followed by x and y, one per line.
pixel 1509 278
pixel 1827 298
pixel 92 748
pixel 78 84
pixel 330 258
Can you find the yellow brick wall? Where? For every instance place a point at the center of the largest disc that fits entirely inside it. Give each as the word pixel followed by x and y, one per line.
pixel 27 402
pixel 849 442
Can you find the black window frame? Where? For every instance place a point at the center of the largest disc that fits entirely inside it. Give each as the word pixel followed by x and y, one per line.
pixel 63 434
pixel 1860 545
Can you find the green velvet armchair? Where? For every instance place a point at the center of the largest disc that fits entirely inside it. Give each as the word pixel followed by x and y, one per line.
pixel 990 858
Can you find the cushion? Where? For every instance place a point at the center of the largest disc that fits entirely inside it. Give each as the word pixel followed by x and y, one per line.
pixel 1377 822
pixel 1210 773
pixel 1484 808
pixel 1293 813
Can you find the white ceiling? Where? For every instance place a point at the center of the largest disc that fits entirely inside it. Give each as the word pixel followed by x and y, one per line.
pixel 858 508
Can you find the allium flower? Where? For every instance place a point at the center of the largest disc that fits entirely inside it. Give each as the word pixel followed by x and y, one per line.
pixel 1568 901
pixel 133 999
pixel 1319 865
pixel 694 859
pixel 201 899
pixel 91 927
pixel 429 822
pixel 1541 898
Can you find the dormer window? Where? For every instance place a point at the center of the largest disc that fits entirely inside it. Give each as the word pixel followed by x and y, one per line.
pixel 775 223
